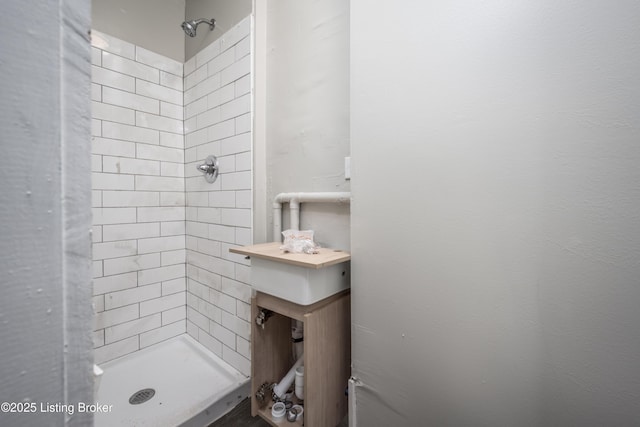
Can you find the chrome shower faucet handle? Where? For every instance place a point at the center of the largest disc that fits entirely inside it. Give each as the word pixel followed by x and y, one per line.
pixel 210 169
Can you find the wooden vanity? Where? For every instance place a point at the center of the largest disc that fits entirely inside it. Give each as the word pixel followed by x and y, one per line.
pixel 327 342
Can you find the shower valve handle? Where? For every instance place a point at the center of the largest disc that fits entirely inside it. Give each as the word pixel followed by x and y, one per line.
pixel 209 168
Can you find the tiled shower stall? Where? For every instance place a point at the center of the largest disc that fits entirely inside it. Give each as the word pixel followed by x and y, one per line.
pixel 162 232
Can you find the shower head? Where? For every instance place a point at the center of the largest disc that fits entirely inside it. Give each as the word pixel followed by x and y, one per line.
pixel 189 27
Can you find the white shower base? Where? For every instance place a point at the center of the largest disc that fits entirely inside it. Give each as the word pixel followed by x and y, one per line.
pixel 193 386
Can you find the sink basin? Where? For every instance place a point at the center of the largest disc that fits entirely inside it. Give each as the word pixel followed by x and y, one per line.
pixel 300 278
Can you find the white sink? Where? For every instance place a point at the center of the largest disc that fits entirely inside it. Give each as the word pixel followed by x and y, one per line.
pixel 300 278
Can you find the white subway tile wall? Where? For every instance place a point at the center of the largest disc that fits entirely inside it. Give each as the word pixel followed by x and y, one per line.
pixel 138 198
pixel 161 233
pixel 217 115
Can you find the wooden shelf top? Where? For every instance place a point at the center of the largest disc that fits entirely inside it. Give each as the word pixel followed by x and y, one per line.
pixel 265 414
pixel 271 251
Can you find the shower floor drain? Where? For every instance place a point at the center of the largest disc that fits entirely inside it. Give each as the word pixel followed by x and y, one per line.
pixel 141 396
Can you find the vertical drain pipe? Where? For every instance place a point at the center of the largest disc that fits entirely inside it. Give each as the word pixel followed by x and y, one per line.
pixel 295 199
pixel 277 221
pixel 294 212
pixel 354 383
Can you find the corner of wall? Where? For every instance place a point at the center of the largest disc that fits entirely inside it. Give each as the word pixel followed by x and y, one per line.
pixel 218 106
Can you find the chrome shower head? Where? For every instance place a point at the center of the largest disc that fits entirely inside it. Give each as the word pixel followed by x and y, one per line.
pixel 189 27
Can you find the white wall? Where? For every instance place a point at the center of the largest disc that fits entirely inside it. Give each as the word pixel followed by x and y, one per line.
pixel 44 211
pixel 151 24
pixel 226 13
pixel 306 110
pixel 498 282
pixel 138 202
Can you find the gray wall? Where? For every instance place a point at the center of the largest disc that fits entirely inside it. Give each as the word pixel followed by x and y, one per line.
pixel 45 309
pixel 306 66
pixel 226 13
pixel 495 269
pixel 152 24
pixel 155 25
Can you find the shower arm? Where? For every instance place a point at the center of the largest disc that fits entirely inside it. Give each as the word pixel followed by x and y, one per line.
pixel 211 22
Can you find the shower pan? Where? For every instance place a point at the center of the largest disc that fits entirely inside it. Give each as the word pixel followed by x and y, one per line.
pixel 173 340
pixel 198 388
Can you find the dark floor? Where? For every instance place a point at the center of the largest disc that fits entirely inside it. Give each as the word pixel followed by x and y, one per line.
pixel 240 416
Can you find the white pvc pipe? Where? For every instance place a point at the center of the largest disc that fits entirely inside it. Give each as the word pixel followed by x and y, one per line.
pixel 297 333
pixel 277 221
pixel 294 200
pixel 281 388
pixel 294 214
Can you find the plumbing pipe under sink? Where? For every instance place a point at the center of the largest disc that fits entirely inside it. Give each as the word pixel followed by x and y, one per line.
pixel 281 388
